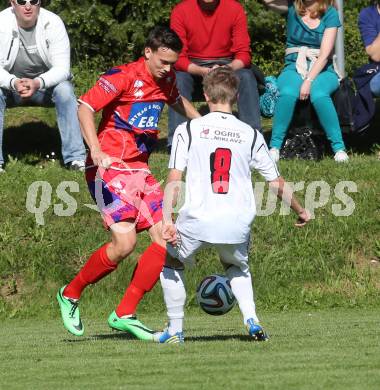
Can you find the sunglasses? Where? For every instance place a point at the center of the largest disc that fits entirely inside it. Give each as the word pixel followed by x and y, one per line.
pixel 31 2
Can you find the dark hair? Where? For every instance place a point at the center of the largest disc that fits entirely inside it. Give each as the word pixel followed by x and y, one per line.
pixel 221 85
pixel 161 36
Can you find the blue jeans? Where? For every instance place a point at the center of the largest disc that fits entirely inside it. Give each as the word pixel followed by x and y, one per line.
pixel 247 102
pixel 374 84
pixel 63 98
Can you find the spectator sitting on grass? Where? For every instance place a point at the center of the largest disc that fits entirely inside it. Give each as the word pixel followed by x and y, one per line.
pixel 214 33
pixel 35 70
pixel 312 27
pixel 369 25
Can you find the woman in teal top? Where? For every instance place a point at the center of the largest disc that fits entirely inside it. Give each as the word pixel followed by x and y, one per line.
pixel 312 26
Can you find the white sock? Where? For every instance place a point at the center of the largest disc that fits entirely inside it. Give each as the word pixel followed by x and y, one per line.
pixel 241 285
pixel 172 282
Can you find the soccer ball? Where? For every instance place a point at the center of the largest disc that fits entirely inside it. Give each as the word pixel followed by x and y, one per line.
pixel 214 295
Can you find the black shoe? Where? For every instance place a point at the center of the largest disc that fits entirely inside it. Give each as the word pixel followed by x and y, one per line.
pixel 76 165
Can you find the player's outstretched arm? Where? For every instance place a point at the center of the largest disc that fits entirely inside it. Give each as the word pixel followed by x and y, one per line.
pixel 285 193
pixel 185 108
pixel 88 129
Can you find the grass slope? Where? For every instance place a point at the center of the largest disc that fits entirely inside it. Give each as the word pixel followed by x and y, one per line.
pixel 332 262
pixel 336 349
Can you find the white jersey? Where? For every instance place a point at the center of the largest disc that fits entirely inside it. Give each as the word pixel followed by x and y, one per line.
pixel 218 152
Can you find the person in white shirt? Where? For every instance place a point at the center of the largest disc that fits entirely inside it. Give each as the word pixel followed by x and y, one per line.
pixel 35 70
pixel 218 152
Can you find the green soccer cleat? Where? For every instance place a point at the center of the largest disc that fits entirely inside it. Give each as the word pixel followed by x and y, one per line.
pixel 70 314
pixel 131 325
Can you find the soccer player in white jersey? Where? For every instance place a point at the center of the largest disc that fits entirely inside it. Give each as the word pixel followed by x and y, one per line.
pixel 218 152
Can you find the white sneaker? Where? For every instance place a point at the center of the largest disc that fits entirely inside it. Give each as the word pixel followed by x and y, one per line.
pixel 341 156
pixel 77 165
pixel 2 170
pixel 275 154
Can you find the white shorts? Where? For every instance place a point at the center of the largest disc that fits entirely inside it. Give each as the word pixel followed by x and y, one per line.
pixel 230 254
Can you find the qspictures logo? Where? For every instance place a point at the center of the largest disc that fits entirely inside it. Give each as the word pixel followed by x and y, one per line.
pixel 333 198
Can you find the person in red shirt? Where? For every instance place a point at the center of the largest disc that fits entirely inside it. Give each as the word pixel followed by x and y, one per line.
pixel 132 97
pixel 214 33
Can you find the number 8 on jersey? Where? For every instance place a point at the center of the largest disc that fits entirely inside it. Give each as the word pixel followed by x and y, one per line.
pixel 220 164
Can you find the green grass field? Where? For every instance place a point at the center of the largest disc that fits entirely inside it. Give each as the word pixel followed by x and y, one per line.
pixel 318 288
pixel 334 261
pixel 334 349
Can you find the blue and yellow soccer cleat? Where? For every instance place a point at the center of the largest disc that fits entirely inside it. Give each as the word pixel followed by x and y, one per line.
pixel 165 338
pixel 256 331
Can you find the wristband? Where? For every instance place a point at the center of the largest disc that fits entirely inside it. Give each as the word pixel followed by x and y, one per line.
pixel 42 82
pixel 309 79
pixel 12 83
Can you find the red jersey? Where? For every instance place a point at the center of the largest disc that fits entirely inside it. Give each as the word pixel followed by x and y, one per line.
pixel 132 102
pixel 222 33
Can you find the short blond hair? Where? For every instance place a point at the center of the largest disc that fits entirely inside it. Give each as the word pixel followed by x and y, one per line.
pixel 317 10
pixel 221 85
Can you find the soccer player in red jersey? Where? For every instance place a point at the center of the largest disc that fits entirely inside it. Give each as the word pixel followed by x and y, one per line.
pixel 132 97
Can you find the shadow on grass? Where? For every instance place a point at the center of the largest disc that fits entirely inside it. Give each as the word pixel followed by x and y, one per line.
pixel 129 337
pixel 110 336
pixel 35 139
pixel 239 337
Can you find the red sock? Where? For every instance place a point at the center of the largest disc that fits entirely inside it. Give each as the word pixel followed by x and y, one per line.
pixel 145 276
pixel 97 266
